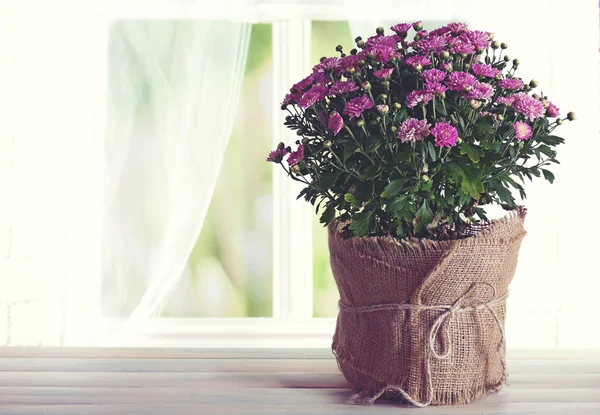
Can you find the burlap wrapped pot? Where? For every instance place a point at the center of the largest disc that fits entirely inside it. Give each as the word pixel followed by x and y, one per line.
pixel 424 320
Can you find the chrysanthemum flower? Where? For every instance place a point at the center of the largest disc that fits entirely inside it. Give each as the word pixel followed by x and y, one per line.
pixel 482 70
pixel 434 75
pixel 296 156
pixel 457 27
pixel 335 122
pixel 357 105
pixel 413 130
pixel 417 61
pixel 446 66
pixel 383 73
pixel 553 110
pixel 458 81
pixel 312 96
pixel 304 84
pixel 327 64
pixel 290 99
pixel 529 107
pixel 401 28
pixel 390 41
pixel 342 87
pixel 435 88
pixel 350 61
pixel 445 134
pixel 476 38
pixel 481 90
pixel 382 53
pixel 277 155
pixel 461 46
pixel 418 96
pixel 508 101
pixel 432 44
pixel 522 130
pixel 511 84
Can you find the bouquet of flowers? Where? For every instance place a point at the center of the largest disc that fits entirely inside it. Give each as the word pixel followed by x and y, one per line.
pixel 413 137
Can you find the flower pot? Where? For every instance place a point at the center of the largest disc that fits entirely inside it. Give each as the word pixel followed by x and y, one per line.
pixel 424 320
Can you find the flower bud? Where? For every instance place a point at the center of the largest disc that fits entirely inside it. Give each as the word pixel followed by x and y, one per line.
pixel 300 132
pixel 360 123
pixel 443 95
pixel 288 149
pixel 491 35
pixel 357 39
pixel 535 96
pixel 464 55
pixel 418 26
pixel 343 55
pixel 396 106
pixel 526 87
pixel 425 178
pixel 416 38
pixel 382 97
pixel 361 62
pixel 498 76
pixel 322 58
pixel 360 44
pixel 288 118
pixel 423 34
pixel 459 140
pixel 571 116
pixel 533 83
pixel 304 141
pixel 425 168
pixel 327 144
pixel 351 70
pixel 467 88
pixel 383 109
pixel 418 67
pixel 467 66
pixel 516 62
pixel 495 44
pixel 366 86
pixel 393 128
pixel 521 144
pixel 559 121
pixel 280 146
pixel 503 45
pixel 339 48
pixel 506 58
pixel 353 51
pixel 296 168
pixel 545 103
pixel 380 30
pixel 385 84
pixel 500 117
pixel 474 104
pixel 445 54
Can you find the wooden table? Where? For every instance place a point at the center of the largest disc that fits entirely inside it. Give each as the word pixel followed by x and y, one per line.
pixel 260 381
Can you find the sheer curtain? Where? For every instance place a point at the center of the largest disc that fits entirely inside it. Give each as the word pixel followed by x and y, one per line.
pixel 112 133
pixel 556 268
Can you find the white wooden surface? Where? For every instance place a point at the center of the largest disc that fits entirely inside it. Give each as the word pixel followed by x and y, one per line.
pixel 260 381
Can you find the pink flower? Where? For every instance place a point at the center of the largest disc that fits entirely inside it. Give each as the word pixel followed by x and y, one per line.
pixel 357 105
pixel 552 110
pixel 350 61
pixel 390 41
pixel 335 123
pixel 432 44
pixel 304 84
pixel 434 75
pixel 401 28
pixel 383 73
pixel 508 101
pixel 418 96
pixel 461 46
pixel 482 70
pixel 413 130
pixel 320 78
pixel 456 28
pixel 522 130
pixel 296 156
pixel 529 107
pixel 445 135
pixel 327 64
pixel 416 25
pixel 435 88
pixel 459 81
pixel 418 61
pixel 381 53
pixel 481 91
pixel 277 155
pixel 342 87
pixel 511 83
pixel 446 66
pixel 290 99
pixel 476 38
pixel 422 34
pixel 312 96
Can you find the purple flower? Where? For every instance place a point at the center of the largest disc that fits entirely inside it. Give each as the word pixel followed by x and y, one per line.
pixel 357 105
pixel 418 61
pixel 401 28
pixel 511 84
pixel 552 110
pixel 476 38
pixel 432 44
pixel 445 135
pixel 326 64
pixel 461 46
pixel 422 34
pixel 459 81
pixel 350 61
pixel 434 75
pixel 390 41
pixel 382 109
pixel 446 66
pixel 522 130
pixel 342 87
pixel 529 107
pixel 296 156
pixel 482 70
pixel 418 96
pixel 312 96
pixel 304 84
pixel 383 73
pixel 456 28
pixel 508 101
pixel 277 155
pixel 381 53
pixel 435 88
pixel 320 78
pixel 290 99
pixel 440 31
pixel 335 123
pixel 481 91
pixel 413 130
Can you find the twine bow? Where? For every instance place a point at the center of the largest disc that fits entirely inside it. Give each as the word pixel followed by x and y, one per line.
pixel 441 323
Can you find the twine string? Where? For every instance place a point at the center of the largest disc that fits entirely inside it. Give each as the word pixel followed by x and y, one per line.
pixel 441 323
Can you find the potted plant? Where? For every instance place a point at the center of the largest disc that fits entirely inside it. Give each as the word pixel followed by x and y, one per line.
pixel 402 144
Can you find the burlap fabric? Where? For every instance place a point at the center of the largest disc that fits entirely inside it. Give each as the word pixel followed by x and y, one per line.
pixel 424 320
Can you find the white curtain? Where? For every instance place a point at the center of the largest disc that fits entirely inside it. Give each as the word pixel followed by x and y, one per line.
pixel 557 275
pixel 113 132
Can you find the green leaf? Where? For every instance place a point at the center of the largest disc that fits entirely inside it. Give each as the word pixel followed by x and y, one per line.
pixel 431 150
pixel 424 216
pixel 469 183
pixel 349 150
pixel 394 188
pixel 350 198
pixel 371 172
pixel 396 203
pixel 328 180
pixel 328 215
pixel 551 140
pixel 362 223
pixel 544 149
pixel 505 195
pixel 470 151
pixel 548 175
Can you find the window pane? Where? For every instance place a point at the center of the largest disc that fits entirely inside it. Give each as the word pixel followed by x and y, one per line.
pixel 229 271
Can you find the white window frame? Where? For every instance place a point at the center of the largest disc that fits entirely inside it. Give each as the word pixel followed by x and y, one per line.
pixel 292 324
